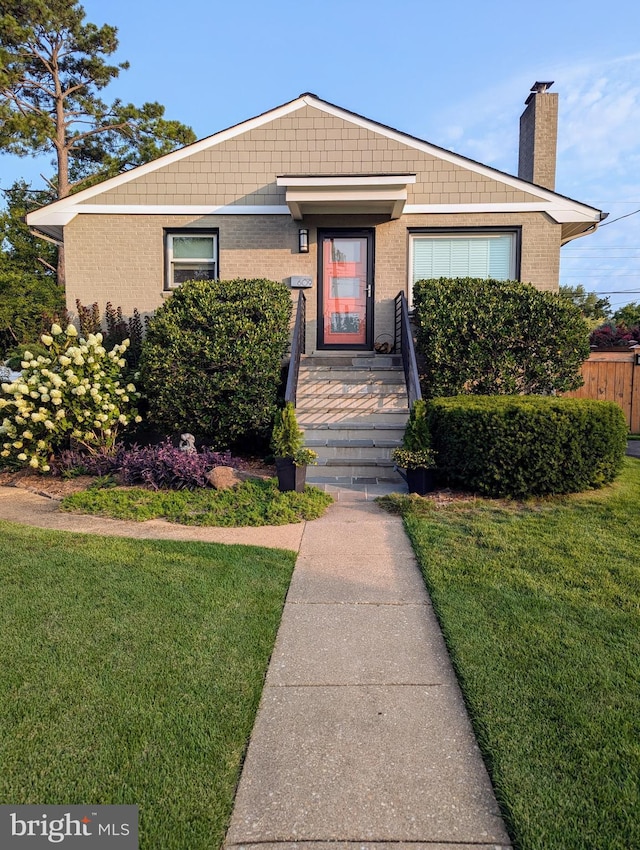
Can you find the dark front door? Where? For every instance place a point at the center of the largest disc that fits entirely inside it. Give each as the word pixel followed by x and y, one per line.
pixel 345 309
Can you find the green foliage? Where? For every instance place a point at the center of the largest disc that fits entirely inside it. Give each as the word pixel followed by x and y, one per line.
pixel 212 356
pixel 628 315
pixel 527 445
pixel 497 337
pixel 20 250
pixel 28 305
pixel 251 503
pixel 594 309
pixel 52 68
pixel 115 326
pixel 288 440
pixel 75 392
pixel 416 451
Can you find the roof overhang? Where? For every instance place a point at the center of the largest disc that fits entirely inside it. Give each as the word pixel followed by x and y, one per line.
pixel 382 194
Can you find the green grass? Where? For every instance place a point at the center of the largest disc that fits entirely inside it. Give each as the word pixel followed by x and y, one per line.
pixel 540 607
pixel 251 503
pixel 130 673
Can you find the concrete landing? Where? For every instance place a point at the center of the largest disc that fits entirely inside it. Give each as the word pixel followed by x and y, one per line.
pixel 362 735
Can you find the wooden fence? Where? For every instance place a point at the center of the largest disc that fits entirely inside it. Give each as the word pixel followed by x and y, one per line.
pixel 614 376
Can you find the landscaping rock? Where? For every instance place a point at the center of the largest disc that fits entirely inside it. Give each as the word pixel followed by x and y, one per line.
pixel 223 477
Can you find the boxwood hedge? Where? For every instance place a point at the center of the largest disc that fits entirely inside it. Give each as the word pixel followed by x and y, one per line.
pixel 212 357
pixel 527 445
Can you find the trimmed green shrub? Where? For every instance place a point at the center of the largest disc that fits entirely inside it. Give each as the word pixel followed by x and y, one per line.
pixel 212 356
pixel 489 337
pixel 527 445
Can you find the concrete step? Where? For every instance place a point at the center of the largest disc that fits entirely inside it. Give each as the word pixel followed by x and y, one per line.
pixel 333 389
pixel 348 417
pixel 353 468
pixel 374 377
pixel 333 433
pixel 316 440
pixel 351 361
pixel 324 407
pixel 350 452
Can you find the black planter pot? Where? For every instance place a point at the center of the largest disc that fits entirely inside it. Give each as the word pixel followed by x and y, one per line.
pixel 421 480
pixel 290 476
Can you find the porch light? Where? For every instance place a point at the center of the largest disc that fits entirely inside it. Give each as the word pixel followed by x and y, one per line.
pixel 303 240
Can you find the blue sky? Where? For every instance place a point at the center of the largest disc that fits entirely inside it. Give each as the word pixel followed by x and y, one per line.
pixel 455 74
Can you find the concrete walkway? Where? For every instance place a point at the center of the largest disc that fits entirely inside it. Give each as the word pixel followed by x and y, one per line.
pixel 362 736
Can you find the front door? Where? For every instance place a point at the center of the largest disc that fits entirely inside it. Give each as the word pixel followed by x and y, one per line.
pixel 345 306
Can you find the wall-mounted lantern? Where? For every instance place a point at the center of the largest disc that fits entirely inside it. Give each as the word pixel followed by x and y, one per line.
pixel 303 240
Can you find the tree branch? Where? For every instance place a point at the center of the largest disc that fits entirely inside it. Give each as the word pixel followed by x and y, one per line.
pixel 47 265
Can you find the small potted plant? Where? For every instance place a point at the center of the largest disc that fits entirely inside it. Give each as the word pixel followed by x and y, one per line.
pixel 291 456
pixel 415 456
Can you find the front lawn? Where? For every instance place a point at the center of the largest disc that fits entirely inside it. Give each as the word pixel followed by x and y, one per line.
pixel 251 503
pixel 540 607
pixel 130 672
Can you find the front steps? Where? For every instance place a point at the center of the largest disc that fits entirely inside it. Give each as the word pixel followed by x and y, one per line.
pixel 353 409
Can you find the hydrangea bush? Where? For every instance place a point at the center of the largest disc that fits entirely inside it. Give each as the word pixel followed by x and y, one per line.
pixel 74 392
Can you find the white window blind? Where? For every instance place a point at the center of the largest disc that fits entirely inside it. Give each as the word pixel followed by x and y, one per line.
pixel 486 256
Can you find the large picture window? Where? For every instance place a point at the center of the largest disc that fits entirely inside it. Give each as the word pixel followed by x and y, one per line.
pixel 190 255
pixel 464 254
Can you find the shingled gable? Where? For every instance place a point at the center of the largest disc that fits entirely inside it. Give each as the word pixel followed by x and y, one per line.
pixel 216 176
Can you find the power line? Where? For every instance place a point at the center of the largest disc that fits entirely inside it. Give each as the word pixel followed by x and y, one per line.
pixel 620 217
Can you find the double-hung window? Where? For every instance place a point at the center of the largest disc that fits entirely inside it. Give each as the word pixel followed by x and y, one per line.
pixel 483 254
pixel 190 255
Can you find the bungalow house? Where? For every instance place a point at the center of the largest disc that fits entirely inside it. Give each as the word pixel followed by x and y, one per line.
pixel 349 211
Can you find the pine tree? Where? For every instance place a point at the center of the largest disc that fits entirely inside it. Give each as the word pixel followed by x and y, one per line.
pixel 53 67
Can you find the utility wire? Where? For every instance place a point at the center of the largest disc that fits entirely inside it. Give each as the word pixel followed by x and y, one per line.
pixel 620 217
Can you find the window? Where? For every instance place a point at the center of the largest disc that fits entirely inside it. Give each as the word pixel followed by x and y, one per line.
pixel 191 255
pixel 464 254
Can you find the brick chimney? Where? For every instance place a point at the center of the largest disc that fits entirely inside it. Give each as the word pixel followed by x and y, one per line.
pixel 538 137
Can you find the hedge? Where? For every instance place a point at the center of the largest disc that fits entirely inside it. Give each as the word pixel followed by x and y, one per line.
pixel 527 445
pixel 212 358
pixel 489 337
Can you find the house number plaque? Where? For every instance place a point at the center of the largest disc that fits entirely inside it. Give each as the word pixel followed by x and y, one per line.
pixel 300 282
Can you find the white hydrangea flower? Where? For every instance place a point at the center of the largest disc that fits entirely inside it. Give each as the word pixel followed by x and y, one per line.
pixel 71 331
pixel 56 330
pixel 47 340
pixel 22 456
pixel 34 462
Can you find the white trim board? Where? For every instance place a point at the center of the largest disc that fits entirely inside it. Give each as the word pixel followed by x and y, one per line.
pixel 558 212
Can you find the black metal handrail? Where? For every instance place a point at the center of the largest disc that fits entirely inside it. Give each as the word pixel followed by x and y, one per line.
pixel 297 349
pixel 403 340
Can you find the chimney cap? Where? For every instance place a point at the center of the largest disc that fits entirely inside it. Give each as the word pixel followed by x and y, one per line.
pixel 538 88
